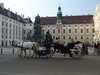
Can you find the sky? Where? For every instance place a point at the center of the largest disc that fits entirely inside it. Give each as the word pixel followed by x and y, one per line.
pixel 50 7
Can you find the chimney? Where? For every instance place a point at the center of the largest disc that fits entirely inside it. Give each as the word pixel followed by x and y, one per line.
pixel 9 9
pixel 2 5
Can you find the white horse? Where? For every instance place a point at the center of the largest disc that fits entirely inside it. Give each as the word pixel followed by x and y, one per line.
pixel 26 45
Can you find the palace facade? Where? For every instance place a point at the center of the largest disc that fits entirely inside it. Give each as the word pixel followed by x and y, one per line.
pixel 13 26
pixel 79 28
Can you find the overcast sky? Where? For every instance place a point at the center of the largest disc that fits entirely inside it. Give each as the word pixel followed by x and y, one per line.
pixel 50 7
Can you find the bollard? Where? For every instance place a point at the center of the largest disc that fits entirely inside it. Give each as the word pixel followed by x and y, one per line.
pixel 1 50
pixel 13 51
pixel 99 51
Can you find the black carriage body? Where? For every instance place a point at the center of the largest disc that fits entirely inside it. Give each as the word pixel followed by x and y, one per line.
pixel 61 48
pixel 73 51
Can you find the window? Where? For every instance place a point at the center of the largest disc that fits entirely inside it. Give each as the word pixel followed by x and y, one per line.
pixel 24 32
pixel 75 37
pixel 6 36
pixel 81 25
pixel 6 31
pixel 13 21
pixel 58 21
pixel 10 32
pixel 75 30
pixel 2 30
pixel 87 30
pixel 10 37
pixel 93 30
pixel 69 25
pixel 69 30
pixel 53 37
pixel 81 30
pixel 58 31
pixel 2 23
pixel 69 37
pixel 53 30
pixel 10 20
pixel 63 30
pixel 63 37
pixel 75 25
pixel 6 24
pixel 30 31
pixel 2 36
pixel 10 25
pixel 81 37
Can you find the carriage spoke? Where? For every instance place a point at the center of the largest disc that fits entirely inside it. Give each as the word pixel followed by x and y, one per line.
pixel 77 52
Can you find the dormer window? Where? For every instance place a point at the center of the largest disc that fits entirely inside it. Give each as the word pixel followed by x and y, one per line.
pixel 9 14
pixel 18 18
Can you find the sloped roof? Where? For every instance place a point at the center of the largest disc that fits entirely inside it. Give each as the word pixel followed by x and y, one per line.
pixel 68 19
pixel 14 16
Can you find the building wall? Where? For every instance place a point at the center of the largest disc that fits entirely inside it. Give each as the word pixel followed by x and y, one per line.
pixel 9 29
pixel 97 23
pixel 79 32
pixel 28 28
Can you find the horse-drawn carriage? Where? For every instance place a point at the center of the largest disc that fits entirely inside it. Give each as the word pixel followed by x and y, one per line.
pixel 50 49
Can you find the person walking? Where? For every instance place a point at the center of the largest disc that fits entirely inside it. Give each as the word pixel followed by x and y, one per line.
pixel 98 48
pixel 83 47
pixel 95 47
pixel 86 47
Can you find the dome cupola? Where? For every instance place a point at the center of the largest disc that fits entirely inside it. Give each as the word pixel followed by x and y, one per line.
pixel 59 13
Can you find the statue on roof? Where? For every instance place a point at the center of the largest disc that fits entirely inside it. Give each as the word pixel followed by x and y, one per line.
pixel 37 19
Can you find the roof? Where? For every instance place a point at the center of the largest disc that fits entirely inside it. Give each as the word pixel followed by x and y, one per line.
pixel 12 15
pixel 68 19
pixel 27 20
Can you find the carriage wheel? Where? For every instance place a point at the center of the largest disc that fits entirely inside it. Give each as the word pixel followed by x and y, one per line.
pixel 49 54
pixel 77 53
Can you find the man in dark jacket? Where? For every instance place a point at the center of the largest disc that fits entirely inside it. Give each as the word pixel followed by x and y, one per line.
pixel 48 38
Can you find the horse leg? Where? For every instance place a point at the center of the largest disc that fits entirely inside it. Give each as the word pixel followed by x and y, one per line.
pixel 25 52
pixel 29 53
pixel 21 54
pixel 32 54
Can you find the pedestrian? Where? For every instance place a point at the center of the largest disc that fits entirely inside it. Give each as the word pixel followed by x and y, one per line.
pixel 95 47
pixel 86 47
pixel 98 47
pixel 83 47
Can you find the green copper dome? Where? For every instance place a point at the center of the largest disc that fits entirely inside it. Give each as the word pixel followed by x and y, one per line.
pixel 59 13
